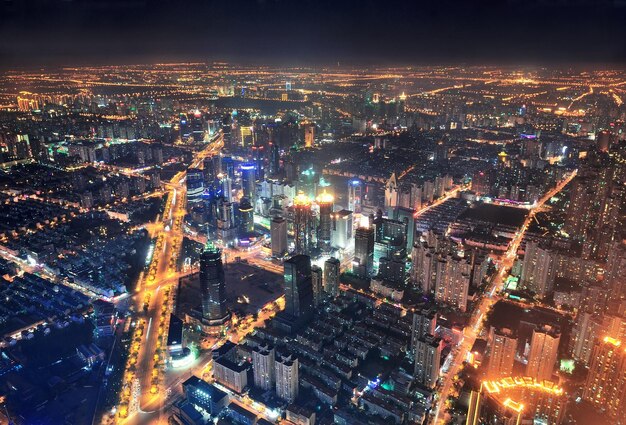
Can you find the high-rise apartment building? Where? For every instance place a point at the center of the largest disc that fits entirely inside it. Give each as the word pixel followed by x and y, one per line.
pixel 544 347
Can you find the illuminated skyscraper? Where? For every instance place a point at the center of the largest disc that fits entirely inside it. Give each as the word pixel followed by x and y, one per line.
pixel 538 269
pixel 309 135
pixel 246 215
pixel 544 348
pixel 392 192
pixel 263 365
pixel 428 360
pixel 341 229
pixel 452 280
pixel 424 323
pixel 503 347
pixel 298 286
pixel 355 193
pixel 331 276
pixel 212 285
pixel 606 382
pixel 278 236
pixel 317 279
pixel 287 377
pixel 302 224
pixel 195 185
pixel 363 251
pixel 248 181
pixel 325 202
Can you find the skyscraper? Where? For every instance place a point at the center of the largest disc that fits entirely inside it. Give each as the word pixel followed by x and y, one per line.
pixel 263 365
pixel 606 382
pixel 538 269
pixel 209 172
pixel 195 185
pixel 287 377
pixel 298 286
pixel 246 216
pixel 428 360
pixel 248 181
pixel 341 229
pixel 309 135
pixel 278 236
pixel 331 276
pixel 212 285
pixel 503 347
pixel 544 347
pixel 355 193
pixel 325 202
pixel 392 192
pixel 452 280
pixel 363 251
pixel 317 279
pixel 424 323
pixel 302 224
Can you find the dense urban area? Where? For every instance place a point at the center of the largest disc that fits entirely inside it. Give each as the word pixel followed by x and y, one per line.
pixel 194 243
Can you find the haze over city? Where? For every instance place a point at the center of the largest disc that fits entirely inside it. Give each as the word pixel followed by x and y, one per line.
pixel 275 212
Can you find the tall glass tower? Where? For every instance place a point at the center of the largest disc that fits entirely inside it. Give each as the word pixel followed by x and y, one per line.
pixel 212 284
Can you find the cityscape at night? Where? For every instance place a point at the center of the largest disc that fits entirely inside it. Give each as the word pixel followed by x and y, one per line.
pixel 255 229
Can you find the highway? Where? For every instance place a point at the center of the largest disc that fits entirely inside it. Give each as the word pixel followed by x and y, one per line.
pixel 445 388
pixel 152 305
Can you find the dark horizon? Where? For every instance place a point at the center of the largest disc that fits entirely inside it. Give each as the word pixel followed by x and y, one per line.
pixel 35 33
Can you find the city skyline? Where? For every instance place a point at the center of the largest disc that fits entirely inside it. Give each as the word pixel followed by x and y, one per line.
pixel 312 213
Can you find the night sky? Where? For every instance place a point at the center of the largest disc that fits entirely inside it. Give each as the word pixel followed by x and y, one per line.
pixel 292 32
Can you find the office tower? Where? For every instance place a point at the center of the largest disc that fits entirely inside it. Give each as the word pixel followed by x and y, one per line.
pixel 228 167
pixel 278 236
pixel 309 135
pixel 246 216
pixel 424 323
pixel 209 171
pixel 325 202
pixel 263 366
pixel 452 281
pixel 428 360
pixel 606 382
pixel 331 276
pixel 226 187
pixel 538 269
pixel 406 216
pixel 544 347
pixel 341 229
pixel 302 224
pixel 226 229
pixel 197 127
pixel 248 181
pixel 298 286
pixel 392 192
pixel 195 185
pixel 363 251
pixel 317 280
pixel 503 347
pixel 355 193
pixel 212 284
pixel 274 159
pixel 184 126
pixel 287 377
